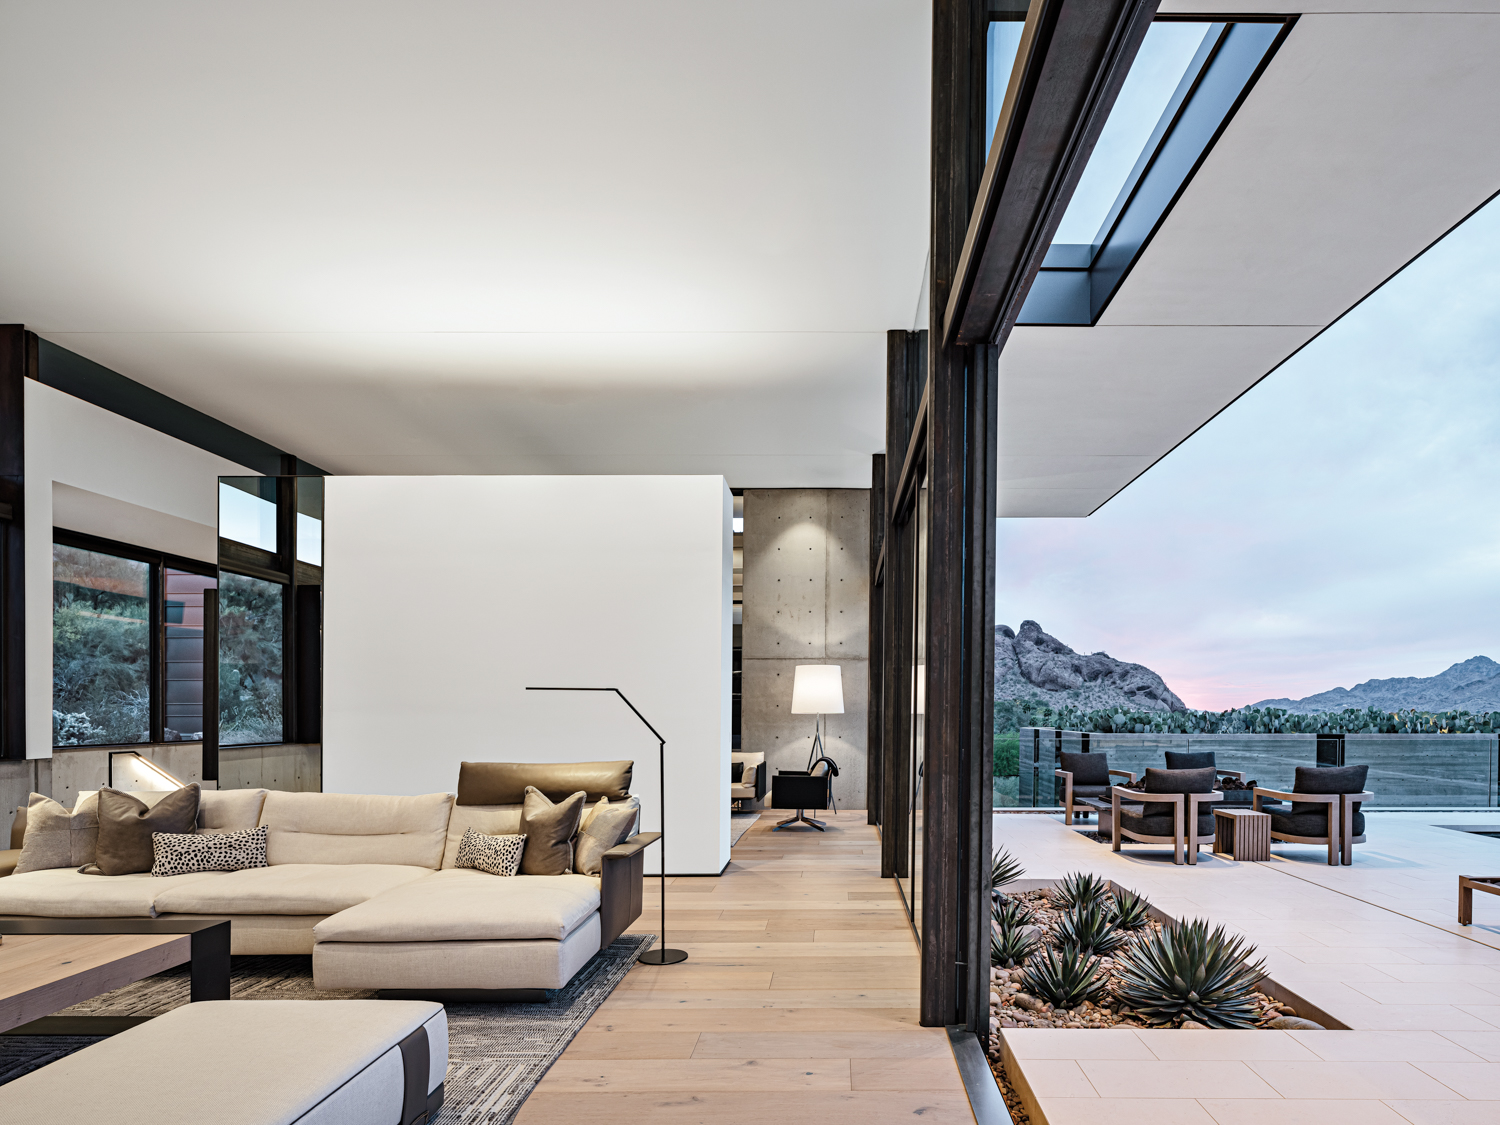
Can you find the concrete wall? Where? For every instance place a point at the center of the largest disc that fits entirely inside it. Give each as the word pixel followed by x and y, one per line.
pixel 446 597
pixel 807 601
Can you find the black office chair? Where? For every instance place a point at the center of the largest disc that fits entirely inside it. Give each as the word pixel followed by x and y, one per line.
pixel 811 788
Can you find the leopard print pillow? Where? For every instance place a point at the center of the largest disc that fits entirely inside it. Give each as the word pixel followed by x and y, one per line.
pixel 499 855
pixel 175 853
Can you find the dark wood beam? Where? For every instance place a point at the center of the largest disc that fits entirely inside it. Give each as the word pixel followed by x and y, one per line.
pixel 1072 60
pixel 874 727
pixel 17 351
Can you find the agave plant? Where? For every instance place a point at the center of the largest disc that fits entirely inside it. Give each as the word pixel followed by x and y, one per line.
pixel 1011 914
pixel 1064 977
pixel 1079 887
pixel 1012 945
pixel 1089 928
pixel 1132 912
pixel 1004 869
pixel 1188 972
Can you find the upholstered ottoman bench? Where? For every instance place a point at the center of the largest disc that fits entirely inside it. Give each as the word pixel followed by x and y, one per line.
pixel 251 1062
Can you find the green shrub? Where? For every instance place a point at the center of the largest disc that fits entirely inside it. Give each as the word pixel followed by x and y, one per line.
pixel 1190 972
pixel 1079 887
pixel 1089 928
pixel 1132 912
pixel 1011 946
pixel 1064 978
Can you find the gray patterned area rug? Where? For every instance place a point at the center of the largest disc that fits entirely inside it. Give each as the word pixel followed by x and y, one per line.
pixel 497 1053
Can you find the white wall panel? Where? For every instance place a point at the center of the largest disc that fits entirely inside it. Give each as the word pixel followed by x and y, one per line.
pixel 445 597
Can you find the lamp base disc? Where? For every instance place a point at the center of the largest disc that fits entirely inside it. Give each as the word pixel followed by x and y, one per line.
pixel 662 956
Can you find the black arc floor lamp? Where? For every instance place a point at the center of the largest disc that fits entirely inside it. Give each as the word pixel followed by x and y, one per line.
pixel 662 956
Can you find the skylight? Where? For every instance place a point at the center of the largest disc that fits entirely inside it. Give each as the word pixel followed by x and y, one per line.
pixel 1159 69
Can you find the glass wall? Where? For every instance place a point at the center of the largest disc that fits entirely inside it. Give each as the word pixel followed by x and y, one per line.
pixel 101 648
pixel 251 642
pixel 919 705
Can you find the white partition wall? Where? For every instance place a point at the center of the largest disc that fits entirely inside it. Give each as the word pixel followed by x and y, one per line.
pixel 446 597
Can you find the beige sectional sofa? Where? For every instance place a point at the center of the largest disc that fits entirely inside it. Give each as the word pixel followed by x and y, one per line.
pixel 368 886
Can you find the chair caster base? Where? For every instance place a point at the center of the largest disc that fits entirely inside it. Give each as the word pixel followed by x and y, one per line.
pixel 800 818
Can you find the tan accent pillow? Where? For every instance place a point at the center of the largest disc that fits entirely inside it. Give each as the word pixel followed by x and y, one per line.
pixel 549 830
pixel 607 826
pixel 126 825
pixel 57 837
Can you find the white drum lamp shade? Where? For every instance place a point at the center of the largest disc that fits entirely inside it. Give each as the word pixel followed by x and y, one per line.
pixel 818 689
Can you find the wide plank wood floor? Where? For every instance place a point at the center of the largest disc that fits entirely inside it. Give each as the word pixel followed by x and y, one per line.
pixel 798 1000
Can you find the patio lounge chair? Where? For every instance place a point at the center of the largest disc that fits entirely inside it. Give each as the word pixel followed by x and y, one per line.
pixel 1086 775
pixel 1204 759
pixel 1176 814
pixel 1325 809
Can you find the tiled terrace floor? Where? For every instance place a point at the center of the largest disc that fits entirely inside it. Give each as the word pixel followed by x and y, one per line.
pixel 798 1001
pixel 1375 945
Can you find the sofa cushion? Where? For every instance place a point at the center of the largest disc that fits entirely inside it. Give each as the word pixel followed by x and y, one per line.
pixel 183 853
pixel 1165 825
pixel 58 837
pixel 1311 823
pixel 606 826
pixel 65 893
pixel 490 820
pixel 461 905
pixel 229 810
pixel 549 830
pixel 287 888
pixel 1190 759
pixel 1087 769
pixel 331 828
pixel 1326 779
pixel 126 826
pixel 1177 781
pixel 494 855
pixel 505 783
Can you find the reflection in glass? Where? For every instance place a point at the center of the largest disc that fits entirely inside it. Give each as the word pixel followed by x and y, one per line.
pixel 183 624
pixel 310 520
pixel 1000 59
pixel 919 703
pixel 1159 68
pixel 247 511
pixel 101 648
pixel 250 660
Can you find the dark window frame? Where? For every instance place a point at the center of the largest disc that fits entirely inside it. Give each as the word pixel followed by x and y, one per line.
pixel 159 562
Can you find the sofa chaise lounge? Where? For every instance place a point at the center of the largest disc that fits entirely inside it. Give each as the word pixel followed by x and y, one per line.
pixel 368 885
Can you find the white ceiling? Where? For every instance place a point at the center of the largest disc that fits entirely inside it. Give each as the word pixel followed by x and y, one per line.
pixel 1367 138
pixel 480 236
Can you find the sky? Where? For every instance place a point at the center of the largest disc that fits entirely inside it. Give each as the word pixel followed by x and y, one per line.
pixel 1340 522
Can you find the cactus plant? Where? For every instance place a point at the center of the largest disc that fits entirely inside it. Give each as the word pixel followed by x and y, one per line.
pixel 1063 977
pixel 1011 914
pixel 1132 912
pixel 1089 928
pixel 1005 868
pixel 1190 972
pixel 1012 945
pixel 1079 887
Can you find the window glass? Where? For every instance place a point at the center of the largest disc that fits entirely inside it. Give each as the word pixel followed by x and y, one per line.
pixel 310 520
pixel 1159 68
pixel 247 511
pixel 1000 59
pixel 183 626
pixel 250 660
pixel 101 648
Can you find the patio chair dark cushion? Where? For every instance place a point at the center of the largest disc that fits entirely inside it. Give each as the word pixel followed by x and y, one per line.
pixel 1163 825
pixel 1190 759
pixel 1312 823
pixel 1327 779
pixel 1177 781
pixel 1087 769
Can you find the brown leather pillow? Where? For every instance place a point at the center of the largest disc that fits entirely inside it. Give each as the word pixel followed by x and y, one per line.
pixel 126 825
pixel 549 830
pixel 505 783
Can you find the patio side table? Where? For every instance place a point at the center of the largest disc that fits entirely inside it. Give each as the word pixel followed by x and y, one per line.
pixel 1243 834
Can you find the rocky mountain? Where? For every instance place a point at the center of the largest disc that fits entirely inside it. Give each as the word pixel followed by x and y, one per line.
pixel 1031 664
pixel 1472 685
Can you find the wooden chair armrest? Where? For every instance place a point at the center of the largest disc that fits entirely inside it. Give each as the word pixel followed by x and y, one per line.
pixel 1125 774
pixel 1204 798
pixel 1365 796
pixel 1280 796
pixel 637 843
pixel 1062 773
pixel 1135 795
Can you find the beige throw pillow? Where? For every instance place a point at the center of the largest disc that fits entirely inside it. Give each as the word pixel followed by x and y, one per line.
pixel 57 837
pixel 608 825
pixel 549 830
pixel 126 826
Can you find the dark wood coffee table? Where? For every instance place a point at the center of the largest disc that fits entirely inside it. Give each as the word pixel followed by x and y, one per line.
pixel 48 964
